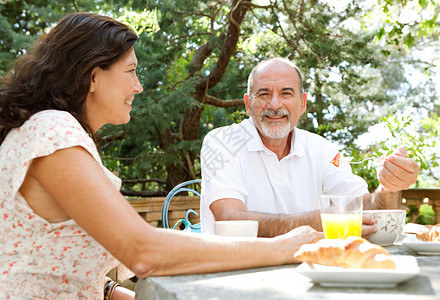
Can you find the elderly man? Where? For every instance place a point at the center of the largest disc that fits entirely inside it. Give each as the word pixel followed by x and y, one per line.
pixel 266 169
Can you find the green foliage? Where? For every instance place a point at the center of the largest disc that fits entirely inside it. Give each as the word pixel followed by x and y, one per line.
pixel 368 169
pixel 424 214
pixel 351 80
pixel 145 21
pixel 421 144
pixel 21 23
pixel 411 212
pixel 398 32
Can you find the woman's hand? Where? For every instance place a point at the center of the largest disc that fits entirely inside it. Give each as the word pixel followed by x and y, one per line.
pixel 296 238
pixel 122 293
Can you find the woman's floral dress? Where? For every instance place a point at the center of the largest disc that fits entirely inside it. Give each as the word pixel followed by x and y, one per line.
pixel 39 259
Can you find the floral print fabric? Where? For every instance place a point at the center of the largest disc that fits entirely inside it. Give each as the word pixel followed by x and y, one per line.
pixel 39 259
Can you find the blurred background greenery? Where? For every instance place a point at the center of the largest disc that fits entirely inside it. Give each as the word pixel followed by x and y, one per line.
pixel 370 71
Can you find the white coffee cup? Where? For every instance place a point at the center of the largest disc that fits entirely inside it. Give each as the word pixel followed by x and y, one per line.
pixel 389 224
pixel 244 228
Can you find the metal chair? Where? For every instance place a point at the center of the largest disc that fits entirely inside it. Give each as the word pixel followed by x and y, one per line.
pixel 182 187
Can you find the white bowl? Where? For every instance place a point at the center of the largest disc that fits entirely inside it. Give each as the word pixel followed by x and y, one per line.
pixel 247 228
pixel 389 224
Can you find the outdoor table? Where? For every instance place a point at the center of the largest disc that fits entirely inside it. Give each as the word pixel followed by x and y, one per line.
pixel 283 282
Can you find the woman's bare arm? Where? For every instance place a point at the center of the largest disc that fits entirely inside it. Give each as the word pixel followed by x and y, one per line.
pixel 77 182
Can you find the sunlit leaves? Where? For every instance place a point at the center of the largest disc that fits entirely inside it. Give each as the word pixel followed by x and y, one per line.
pixel 146 21
pixel 400 30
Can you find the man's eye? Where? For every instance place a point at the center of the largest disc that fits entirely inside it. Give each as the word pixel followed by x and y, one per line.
pixel 263 95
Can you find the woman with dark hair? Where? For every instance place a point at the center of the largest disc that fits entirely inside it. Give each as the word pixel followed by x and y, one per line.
pixel 63 222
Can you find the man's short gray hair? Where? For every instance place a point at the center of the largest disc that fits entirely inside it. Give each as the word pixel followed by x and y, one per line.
pixel 284 60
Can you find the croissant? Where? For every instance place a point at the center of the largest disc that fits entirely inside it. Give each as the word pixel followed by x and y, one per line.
pixel 429 234
pixel 353 252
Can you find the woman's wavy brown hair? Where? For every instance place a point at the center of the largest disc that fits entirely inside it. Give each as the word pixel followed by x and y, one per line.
pixel 56 73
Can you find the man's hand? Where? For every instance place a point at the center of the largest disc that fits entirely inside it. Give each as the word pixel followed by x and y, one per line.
pixel 368 226
pixel 398 171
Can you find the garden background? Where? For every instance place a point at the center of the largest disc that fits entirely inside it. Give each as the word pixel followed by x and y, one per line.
pixel 371 72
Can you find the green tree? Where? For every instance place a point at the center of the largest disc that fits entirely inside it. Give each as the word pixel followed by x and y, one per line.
pixel 194 72
pixel 21 24
pixel 195 68
pixel 410 31
pixel 416 38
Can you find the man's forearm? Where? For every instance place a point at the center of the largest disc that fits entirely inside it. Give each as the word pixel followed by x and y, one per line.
pixel 381 199
pixel 270 225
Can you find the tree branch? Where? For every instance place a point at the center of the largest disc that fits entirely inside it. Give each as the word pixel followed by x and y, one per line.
pixel 75 6
pixel 266 7
pixel 190 166
pixel 175 41
pixel 110 138
pixel 199 57
pixel 143 180
pixel 143 193
pixel 223 103
pixel 126 158
pixel 235 16
pixel 299 35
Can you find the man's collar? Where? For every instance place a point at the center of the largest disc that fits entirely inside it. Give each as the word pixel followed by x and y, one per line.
pixel 255 143
pixel 297 146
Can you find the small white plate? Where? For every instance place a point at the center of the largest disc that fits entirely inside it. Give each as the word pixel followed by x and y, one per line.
pixel 406 268
pixel 425 248
pixel 413 228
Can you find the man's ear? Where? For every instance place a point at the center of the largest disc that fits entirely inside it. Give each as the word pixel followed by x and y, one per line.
pixel 247 103
pixel 303 103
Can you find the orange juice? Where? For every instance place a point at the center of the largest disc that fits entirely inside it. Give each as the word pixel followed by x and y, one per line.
pixel 340 226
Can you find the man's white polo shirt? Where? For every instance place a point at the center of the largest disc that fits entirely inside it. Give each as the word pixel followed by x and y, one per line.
pixel 236 164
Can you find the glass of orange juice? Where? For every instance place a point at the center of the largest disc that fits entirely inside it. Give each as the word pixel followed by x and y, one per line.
pixel 341 215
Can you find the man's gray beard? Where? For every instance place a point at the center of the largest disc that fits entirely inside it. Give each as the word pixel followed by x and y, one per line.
pixel 276 132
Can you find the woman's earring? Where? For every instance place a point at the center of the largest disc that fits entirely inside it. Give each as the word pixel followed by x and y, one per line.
pixel 92 89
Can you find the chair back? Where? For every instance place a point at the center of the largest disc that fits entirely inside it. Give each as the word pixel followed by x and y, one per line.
pixel 182 187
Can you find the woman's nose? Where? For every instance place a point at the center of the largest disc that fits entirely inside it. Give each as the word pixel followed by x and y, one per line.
pixel 138 86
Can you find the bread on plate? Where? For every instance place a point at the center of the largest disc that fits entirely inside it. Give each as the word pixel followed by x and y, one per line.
pixel 353 252
pixel 431 233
